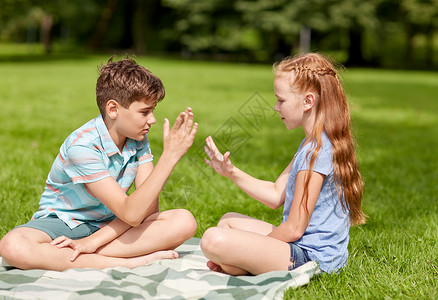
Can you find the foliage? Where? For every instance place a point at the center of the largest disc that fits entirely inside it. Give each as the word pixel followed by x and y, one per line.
pixel 365 32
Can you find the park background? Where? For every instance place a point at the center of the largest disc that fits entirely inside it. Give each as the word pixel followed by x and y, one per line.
pixel 216 56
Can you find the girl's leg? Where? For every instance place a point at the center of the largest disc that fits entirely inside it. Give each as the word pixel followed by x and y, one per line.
pixel 238 252
pixel 29 248
pixel 160 231
pixel 241 222
pixel 238 221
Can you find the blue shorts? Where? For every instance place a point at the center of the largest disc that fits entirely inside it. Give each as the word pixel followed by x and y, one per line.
pixel 298 256
pixel 55 227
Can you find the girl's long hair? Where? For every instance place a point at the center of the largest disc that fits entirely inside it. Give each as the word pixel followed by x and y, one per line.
pixel 315 73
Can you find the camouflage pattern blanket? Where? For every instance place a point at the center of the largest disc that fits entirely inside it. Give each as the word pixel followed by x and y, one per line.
pixel 184 278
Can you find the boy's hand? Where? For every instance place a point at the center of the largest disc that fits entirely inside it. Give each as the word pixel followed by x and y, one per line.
pixel 179 139
pixel 79 246
pixel 220 163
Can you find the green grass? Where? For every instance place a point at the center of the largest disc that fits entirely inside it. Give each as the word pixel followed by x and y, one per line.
pixel 394 114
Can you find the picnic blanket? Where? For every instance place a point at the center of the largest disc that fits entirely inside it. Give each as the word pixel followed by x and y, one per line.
pixel 187 277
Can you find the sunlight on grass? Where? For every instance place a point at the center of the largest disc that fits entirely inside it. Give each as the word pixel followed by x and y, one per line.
pixel 394 116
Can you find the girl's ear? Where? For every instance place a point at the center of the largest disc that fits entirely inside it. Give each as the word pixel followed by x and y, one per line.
pixel 112 109
pixel 309 101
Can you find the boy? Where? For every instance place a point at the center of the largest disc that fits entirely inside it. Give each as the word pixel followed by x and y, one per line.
pixel 85 209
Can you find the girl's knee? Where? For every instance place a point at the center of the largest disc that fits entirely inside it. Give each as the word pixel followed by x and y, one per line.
pixel 225 220
pixel 213 240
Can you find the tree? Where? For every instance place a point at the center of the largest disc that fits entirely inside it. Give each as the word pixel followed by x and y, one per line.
pixel 17 16
pixel 211 26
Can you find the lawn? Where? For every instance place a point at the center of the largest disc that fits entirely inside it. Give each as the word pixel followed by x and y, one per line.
pixel 395 119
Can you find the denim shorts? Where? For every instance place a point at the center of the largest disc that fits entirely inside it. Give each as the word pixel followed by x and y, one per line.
pixel 55 227
pixel 298 256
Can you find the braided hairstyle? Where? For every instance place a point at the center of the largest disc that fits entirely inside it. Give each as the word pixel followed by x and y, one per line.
pixel 315 73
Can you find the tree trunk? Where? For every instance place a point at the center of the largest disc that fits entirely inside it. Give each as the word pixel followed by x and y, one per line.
pixel 305 36
pixel 409 54
pixel 429 47
pixel 355 56
pixel 104 22
pixel 140 26
pixel 46 29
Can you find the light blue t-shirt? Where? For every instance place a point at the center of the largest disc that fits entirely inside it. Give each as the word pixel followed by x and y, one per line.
pixel 327 235
pixel 87 155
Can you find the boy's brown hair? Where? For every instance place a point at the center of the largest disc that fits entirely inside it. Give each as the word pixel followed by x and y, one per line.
pixel 126 82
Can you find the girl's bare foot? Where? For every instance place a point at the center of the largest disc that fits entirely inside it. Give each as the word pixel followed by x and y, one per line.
pixel 148 258
pixel 214 267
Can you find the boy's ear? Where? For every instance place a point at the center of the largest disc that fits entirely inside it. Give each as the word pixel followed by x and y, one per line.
pixel 112 109
pixel 309 101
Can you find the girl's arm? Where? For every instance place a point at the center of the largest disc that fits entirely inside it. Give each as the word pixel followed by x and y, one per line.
pixel 298 220
pixel 269 193
pixel 91 243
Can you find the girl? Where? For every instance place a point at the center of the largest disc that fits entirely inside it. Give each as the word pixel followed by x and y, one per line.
pixel 321 189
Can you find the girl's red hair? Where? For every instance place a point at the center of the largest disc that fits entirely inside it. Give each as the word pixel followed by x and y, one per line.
pixel 315 73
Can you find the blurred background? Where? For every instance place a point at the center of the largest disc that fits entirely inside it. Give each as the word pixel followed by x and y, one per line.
pixel 371 33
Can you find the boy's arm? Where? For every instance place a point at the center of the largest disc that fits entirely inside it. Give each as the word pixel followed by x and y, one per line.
pixel 108 233
pixel 133 209
pixel 91 243
pixel 143 172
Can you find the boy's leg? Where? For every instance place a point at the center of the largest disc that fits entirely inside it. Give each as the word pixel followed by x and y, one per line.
pixel 237 252
pixel 29 248
pixel 160 231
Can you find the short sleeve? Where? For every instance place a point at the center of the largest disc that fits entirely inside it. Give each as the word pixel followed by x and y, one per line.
pixel 144 154
pixel 84 165
pixel 323 163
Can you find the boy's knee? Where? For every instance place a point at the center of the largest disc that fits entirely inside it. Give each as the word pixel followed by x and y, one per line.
pixel 14 250
pixel 186 222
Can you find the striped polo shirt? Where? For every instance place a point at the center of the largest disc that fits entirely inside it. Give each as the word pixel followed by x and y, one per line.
pixel 89 154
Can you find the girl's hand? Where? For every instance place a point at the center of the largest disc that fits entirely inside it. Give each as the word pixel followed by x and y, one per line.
pixel 220 163
pixel 79 246
pixel 180 138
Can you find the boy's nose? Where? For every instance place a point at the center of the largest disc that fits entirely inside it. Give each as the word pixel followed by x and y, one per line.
pixel 152 119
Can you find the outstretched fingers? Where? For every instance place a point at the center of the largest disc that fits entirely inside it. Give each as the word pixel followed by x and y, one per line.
pixel 212 151
pixel 180 120
pixel 189 120
pixel 194 131
pixel 166 128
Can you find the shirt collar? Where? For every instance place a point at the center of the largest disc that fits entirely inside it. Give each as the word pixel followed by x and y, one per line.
pixel 108 144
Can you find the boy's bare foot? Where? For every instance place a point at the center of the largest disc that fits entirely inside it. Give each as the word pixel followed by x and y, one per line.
pixel 214 267
pixel 148 258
